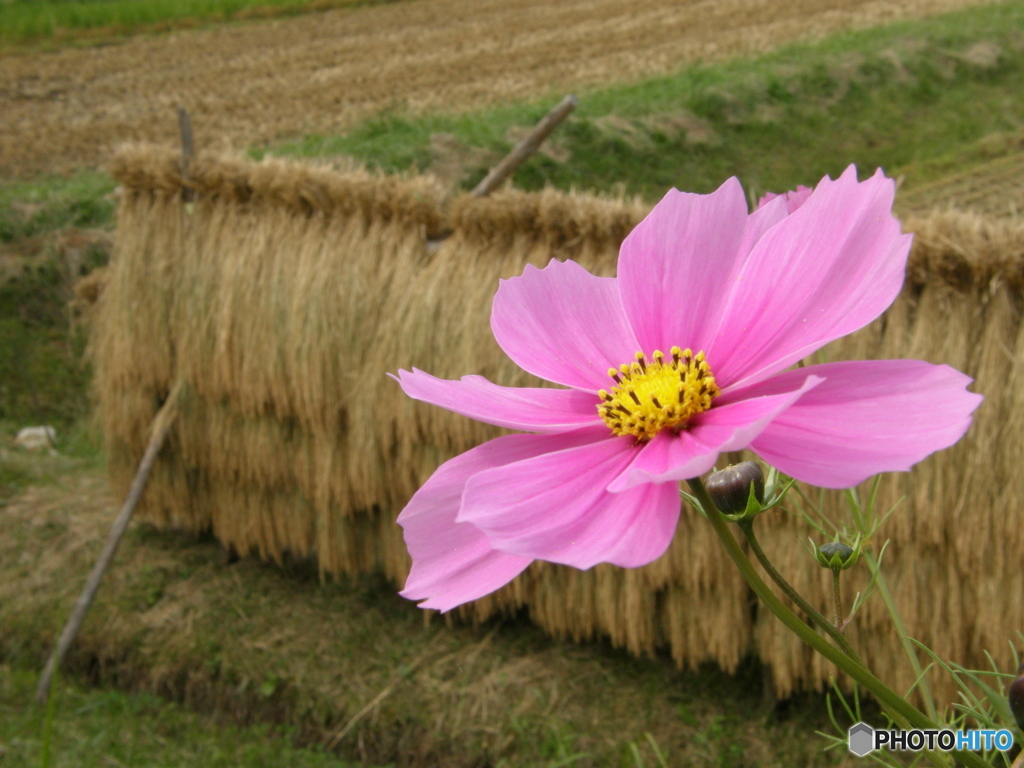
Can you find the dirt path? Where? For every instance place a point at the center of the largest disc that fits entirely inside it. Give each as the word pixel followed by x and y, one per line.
pixel 256 82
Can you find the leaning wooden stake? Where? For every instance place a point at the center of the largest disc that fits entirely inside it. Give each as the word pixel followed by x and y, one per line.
pixel 160 427
pixel 526 147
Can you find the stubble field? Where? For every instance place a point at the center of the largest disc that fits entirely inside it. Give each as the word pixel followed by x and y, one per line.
pixel 252 83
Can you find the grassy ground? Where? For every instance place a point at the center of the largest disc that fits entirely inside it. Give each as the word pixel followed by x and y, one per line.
pixel 30 209
pixel 96 728
pixel 47 23
pixel 51 233
pixel 348 666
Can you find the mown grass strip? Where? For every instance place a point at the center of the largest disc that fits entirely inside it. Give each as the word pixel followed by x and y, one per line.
pixel 33 22
pixel 899 97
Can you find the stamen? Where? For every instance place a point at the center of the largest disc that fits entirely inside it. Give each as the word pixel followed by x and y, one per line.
pixel 636 404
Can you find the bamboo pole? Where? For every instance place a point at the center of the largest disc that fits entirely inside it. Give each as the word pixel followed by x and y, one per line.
pixel 526 147
pixel 160 427
pixel 158 434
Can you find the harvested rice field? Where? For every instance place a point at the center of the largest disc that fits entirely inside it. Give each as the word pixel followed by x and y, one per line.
pixel 994 188
pixel 256 82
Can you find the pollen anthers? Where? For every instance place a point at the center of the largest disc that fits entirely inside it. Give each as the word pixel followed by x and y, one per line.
pixel 661 393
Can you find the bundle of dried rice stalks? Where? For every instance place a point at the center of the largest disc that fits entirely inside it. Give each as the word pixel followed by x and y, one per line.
pixel 283 294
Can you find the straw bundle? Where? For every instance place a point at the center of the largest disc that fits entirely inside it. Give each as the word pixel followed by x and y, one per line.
pixel 283 294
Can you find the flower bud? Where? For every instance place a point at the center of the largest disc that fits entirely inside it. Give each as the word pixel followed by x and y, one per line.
pixel 836 555
pixel 1017 697
pixel 730 488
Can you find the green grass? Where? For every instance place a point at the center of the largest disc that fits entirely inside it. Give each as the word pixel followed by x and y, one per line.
pixel 274 644
pixel 32 22
pixel 29 209
pixel 78 448
pixel 103 728
pixel 43 374
pixel 900 97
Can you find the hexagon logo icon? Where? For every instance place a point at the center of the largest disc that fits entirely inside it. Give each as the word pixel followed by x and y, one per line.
pixel 861 739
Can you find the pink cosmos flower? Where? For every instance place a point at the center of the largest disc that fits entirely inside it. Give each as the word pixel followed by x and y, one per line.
pixel 686 354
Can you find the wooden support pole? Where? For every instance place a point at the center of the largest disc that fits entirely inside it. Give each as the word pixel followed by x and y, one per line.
pixel 526 147
pixel 158 433
pixel 161 426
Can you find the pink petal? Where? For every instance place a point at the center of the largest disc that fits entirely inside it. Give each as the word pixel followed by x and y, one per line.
pixel 563 324
pixel 760 221
pixel 674 267
pixel 793 199
pixel 452 562
pixel 830 268
pixel 729 426
pixel 866 418
pixel 555 507
pixel 532 409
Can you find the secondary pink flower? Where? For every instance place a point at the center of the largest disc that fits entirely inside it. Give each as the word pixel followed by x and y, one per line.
pixel 681 357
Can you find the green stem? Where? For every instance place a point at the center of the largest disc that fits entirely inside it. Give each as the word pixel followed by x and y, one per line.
pixel 747 526
pixel 837 599
pixel 889 698
pixel 901 630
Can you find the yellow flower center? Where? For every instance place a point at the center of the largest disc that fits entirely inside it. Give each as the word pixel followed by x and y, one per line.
pixel 650 396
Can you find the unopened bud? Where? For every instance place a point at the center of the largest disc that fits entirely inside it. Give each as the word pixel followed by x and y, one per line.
pixel 1017 697
pixel 730 488
pixel 837 556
